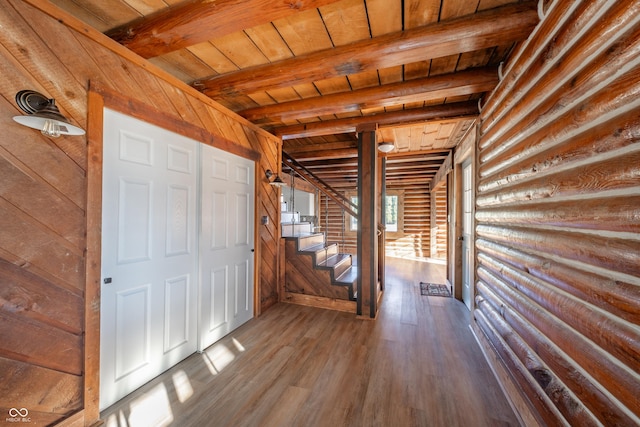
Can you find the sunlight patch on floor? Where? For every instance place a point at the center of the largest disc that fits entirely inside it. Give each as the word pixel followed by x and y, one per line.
pixel 238 345
pixel 183 387
pixel 217 357
pixel 152 409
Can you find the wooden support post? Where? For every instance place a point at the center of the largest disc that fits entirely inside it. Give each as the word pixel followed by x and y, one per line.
pixel 368 213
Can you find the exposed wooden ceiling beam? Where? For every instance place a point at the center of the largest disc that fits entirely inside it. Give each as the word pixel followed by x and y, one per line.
pixel 321 154
pixel 197 21
pixel 485 29
pixel 292 149
pixel 458 110
pixel 437 87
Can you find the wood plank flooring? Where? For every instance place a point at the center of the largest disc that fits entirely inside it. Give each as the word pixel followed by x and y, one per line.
pixel 416 365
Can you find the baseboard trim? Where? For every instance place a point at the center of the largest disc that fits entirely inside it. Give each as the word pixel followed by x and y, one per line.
pixel 320 302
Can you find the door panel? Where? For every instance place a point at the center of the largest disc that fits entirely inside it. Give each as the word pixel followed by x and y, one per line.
pixel 149 307
pixel 178 255
pixel 226 246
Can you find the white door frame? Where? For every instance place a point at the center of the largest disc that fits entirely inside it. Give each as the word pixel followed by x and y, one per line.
pixel 465 152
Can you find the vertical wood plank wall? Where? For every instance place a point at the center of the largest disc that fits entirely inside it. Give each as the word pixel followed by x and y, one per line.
pixel 43 197
pixel 558 209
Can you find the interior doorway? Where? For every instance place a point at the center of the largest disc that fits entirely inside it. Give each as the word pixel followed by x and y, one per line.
pixel 467 233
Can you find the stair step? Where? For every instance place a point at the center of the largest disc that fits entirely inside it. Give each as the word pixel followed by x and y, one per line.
pixel 339 263
pixel 306 240
pixel 325 252
pixel 295 229
pixel 349 276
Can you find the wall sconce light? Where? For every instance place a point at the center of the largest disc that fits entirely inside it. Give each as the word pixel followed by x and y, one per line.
pixel 386 146
pixel 42 114
pixel 277 181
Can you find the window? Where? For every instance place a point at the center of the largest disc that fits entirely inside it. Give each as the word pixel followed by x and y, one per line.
pixel 391 213
pixel 353 221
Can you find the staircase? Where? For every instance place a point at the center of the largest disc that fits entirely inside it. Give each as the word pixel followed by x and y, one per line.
pixel 314 267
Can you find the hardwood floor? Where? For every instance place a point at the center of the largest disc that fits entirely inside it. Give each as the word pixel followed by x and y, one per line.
pixel 416 365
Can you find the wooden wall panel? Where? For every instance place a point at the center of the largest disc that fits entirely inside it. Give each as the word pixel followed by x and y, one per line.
pixel 43 197
pixel 557 208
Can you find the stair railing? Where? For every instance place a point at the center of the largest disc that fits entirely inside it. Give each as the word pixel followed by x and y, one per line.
pixel 321 185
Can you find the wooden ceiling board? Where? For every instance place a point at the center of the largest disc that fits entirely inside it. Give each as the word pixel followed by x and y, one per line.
pixel 385 16
pixel 444 65
pixel 101 15
pixel 211 55
pixel 391 75
pixel 268 40
pixel 364 80
pixel 253 54
pixel 188 63
pixel 240 50
pixel 172 68
pixel 306 90
pixel 147 7
pixel 346 21
pixel 475 59
pixel 490 4
pixel 333 85
pixel 455 8
pixel 417 70
pixel 421 12
pixel 304 33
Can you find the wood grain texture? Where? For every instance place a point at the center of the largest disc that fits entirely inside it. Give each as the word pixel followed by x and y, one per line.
pixel 487 28
pixel 48 291
pixel 415 365
pixel 557 242
pixel 302 278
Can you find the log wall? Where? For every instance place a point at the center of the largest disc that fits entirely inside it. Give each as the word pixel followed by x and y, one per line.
pixel 413 242
pixel 558 209
pixel 43 200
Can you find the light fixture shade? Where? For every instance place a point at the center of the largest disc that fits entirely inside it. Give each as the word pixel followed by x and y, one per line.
pixel 43 114
pixel 386 147
pixel 277 181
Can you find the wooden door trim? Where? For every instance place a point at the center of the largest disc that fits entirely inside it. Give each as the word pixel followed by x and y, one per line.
pixel 93 259
pixel 99 98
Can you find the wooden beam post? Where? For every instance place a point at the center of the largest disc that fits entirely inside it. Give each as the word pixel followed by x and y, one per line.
pixel 368 214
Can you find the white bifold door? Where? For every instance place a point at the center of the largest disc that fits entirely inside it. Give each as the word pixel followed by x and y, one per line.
pixel 226 244
pixel 177 242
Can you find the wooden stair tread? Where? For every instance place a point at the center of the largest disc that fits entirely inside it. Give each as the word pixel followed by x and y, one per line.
pixel 349 277
pixel 334 260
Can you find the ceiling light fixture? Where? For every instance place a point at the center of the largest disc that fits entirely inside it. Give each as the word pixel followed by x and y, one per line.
pixel 42 114
pixel 386 147
pixel 277 181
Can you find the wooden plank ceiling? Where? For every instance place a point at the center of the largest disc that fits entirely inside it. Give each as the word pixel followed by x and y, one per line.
pixel 312 70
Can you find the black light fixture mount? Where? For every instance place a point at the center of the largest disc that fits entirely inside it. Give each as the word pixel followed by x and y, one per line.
pixel 277 181
pixel 43 114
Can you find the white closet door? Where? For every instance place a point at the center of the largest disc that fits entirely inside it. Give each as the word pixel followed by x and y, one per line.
pixel 149 253
pixel 226 243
